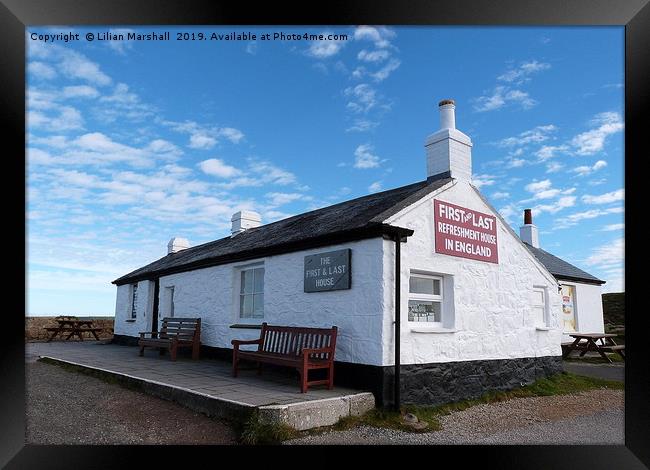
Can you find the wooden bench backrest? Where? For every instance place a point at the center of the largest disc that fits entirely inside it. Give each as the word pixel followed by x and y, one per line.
pixel 185 329
pixel 290 340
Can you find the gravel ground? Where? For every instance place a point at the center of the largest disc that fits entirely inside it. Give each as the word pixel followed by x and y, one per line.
pixel 594 417
pixel 70 408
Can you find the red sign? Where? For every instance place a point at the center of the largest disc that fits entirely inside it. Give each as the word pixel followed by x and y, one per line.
pixel 465 233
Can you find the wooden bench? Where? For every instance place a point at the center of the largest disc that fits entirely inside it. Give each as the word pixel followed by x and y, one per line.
pixel 175 333
pixel 304 349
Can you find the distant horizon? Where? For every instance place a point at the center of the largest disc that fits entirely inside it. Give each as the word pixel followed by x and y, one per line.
pixel 133 142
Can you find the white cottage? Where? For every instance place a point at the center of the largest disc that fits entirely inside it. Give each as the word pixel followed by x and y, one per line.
pixel 474 308
pixel 582 304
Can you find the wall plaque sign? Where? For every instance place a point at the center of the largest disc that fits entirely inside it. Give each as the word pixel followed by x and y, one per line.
pixel 465 232
pixel 327 271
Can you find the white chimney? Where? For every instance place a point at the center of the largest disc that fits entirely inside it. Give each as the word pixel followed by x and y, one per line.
pixel 243 220
pixel 528 231
pixel 177 244
pixel 449 150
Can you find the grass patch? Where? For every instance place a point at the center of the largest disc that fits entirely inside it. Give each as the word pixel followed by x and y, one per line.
pixel 596 359
pixel 257 432
pixel 563 383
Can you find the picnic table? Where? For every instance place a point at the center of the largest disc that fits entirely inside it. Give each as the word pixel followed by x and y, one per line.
pixel 589 342
pixel 73 326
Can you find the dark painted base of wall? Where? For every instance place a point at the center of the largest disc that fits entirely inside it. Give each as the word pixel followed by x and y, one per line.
pixel 423 384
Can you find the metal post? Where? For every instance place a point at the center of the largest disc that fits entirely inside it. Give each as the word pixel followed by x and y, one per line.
pixel 397 320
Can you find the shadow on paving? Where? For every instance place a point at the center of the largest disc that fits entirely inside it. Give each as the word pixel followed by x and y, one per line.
pixel 614 371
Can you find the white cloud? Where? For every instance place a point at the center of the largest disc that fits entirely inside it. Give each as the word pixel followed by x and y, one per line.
pixel 120 45
pixel 379 35
pixel 205 137
pixel 521 73
pixel 99 149
pixel 573 219
pixel 532 136
pixel 363 98
pixel 483 180
pixel 123 103
pixel 325 48
pixel 37 156
pixel 553 167
pixel 364 158
pixel 251 48
pixel 538 186
pixel 362 125
pixel 80 91
pixel 613 227
pixel 201 141
pixel 386 70
pixel 585 170
pixel 375 187
pixel 502 96
pixel 549 151
pixel 500 195
pixel 606 198
pixel 68 118
pixel 610 254
pixel 41 71
pixel 217 167
pixel 280 199
pixel 260 173
pixel 593 141
pixel 77 66
pixel 373 56
pixel 561 203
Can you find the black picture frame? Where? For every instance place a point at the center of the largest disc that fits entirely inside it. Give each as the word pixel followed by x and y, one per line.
pixel 634 15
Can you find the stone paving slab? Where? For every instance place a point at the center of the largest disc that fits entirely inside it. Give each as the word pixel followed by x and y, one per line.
pixel 207 384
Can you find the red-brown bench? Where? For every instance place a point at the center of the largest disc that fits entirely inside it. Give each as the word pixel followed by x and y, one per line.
pixel 175 333
pixel 304 349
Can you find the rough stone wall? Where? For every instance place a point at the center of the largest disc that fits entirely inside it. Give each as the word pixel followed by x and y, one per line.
pixel 436 384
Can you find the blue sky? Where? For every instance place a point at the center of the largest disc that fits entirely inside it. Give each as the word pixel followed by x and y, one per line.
pixel 130 143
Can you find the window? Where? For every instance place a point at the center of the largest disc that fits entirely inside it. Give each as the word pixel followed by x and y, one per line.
pixel 539 306
pixel 170 301
pixel 568 307
pixel 134 300
pixel 251 293
pixel 425 299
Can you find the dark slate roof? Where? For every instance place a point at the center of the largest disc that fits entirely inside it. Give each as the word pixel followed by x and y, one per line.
pixel 351 220
pixel 560 268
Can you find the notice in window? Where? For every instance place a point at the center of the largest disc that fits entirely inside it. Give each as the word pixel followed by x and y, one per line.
pixel 327 271
pixel 464 232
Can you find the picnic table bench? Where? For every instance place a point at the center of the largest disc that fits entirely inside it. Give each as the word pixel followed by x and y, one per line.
pixel 175 333
pixel 589 342
pixel 73 326
pixel 304 349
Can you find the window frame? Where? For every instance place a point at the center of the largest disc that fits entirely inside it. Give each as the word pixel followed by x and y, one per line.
pixel 239 296
pixel 440 298
pixel 546 317
pixel 133 313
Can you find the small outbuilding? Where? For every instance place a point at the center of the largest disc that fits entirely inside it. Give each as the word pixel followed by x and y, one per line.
pixel 582 304
pixel 427 280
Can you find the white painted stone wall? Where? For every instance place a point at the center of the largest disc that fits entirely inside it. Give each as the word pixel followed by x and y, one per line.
pixel 588 310
pixel 492 318
pixel 210 294
pixel 123 324
pixel 490 303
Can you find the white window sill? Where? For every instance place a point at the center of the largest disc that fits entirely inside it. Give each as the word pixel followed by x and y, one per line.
pixel 543 328
pixel 430 329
